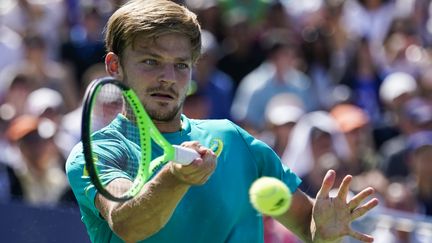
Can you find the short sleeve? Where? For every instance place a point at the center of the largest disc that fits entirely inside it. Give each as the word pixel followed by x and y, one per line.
pixel 268 162
pixel 79 180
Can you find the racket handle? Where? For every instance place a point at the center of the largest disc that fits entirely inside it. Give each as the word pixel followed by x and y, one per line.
pixel 184 155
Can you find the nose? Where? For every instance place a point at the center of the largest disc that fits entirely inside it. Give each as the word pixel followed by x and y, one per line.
pixel 168 74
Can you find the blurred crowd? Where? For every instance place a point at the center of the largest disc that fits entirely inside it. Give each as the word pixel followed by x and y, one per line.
pixel 329 84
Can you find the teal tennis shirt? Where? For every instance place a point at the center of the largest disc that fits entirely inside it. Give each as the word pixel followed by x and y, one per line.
pixel 218 211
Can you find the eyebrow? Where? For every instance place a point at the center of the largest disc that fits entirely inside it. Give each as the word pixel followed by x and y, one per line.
pixel 145 51
pixel 177 59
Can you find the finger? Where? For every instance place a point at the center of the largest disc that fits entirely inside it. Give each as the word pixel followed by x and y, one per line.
pixel 327 185
pixel 203 150
pixel 360 211
pixel 357 199
pixel 195 145
pixel 344 187
pixel 204 178
pixel 361 237
pixel 191 144
pixel 186 171
pixel 202 175
pixel 200 166
pixel 206 152
pixel 196 163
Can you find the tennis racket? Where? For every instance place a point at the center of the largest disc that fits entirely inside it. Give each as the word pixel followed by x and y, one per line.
pixel 124 154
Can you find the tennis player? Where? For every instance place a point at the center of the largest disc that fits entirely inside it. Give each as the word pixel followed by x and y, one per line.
pixel 152 46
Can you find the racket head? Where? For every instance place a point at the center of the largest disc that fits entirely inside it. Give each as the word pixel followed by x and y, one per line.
pixel 107 159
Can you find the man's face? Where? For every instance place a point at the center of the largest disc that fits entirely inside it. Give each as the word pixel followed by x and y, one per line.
pixel 159 72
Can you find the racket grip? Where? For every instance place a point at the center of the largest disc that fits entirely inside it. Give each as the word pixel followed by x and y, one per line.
pixel 184 155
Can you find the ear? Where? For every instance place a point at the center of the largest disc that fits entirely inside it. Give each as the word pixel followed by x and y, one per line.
pixel 112 66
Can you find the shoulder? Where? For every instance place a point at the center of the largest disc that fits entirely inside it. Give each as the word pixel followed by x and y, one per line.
pixel 75 161
pixel 219 126
pixel 212 123
pixel 223 129
pixel 228 131
pixel 101 140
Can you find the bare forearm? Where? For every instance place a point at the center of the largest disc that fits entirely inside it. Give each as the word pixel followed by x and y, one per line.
pixel 145 215
pixel 298 218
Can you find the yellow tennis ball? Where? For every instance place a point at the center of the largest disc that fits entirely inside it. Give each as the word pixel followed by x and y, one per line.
pixel 270 196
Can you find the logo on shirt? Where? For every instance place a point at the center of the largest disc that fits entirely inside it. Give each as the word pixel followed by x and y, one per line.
pixel 216 145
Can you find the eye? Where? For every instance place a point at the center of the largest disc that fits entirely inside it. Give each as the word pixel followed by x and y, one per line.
pixel 150 62
pixel 182 66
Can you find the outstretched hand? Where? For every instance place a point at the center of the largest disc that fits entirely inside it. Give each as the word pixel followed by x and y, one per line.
pixel 332 216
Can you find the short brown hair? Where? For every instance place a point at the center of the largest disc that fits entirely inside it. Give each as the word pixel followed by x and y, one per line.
pixel 151 18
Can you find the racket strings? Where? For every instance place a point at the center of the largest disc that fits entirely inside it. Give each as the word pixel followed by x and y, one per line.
pixel 121 162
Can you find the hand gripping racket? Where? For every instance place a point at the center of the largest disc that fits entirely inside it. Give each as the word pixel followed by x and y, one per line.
pixel 123 155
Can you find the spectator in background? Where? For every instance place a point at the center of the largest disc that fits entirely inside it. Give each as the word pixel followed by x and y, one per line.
pixel 398 196
pixel 425 83
pixel 278 74
pixel 421 16
pixel 368 18
pixel 44 71
pixel 254 9
pixel 241 48
pixel 341 44
pixel 363 157
pixel 210 81
pixel 11 46
pixel 276 16
pixel 282 113
pixel 318 61
pixel 401 50
pixel 395 89
pixel 14 91
pixel 84 45
pixel 197 106
pixel 316 145
pixel 209 15
pixel 420 153
pixel 415 115
pixel 363 78
pixel 40 173
pixel 44 18
pixel 10 187
pixel 45 103
pixel 48 104
pixel 354 123
pixel 16 86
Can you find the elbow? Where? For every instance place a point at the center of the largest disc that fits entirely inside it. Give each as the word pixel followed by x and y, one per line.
pixel 131 229
pixel 124 232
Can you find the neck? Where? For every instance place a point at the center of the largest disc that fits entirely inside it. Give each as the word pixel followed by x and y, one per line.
pixel 173 125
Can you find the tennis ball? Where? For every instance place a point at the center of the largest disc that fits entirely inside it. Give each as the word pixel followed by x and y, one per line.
pixel 270 196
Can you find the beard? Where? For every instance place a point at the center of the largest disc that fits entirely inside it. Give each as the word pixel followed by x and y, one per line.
pixel 163 114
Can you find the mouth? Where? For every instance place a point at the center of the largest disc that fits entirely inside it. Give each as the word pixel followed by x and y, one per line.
pixel 163 95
